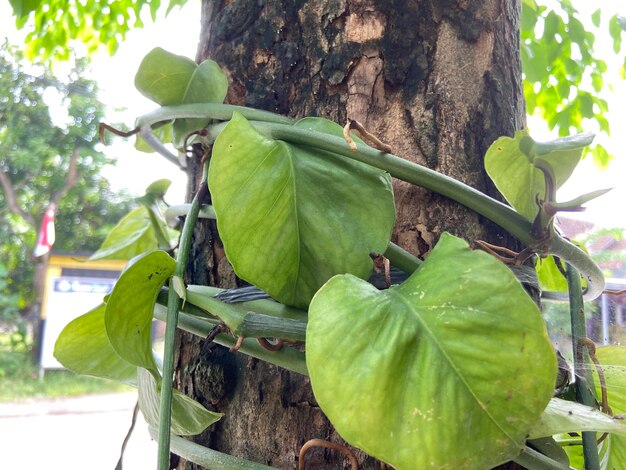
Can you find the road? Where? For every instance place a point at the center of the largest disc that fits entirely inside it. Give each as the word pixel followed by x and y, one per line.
pixel 74 433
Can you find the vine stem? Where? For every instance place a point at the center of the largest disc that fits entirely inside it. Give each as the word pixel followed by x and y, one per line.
pixel 173 307
pixel 584 380
pixel 280 127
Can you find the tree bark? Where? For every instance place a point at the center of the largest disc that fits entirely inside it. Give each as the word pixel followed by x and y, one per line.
pixel 438 81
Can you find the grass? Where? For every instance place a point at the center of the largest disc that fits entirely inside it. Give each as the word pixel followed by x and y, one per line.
pixel 20 381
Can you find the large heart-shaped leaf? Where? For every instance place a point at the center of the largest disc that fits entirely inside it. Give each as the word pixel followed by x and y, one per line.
pixel 170 79
pixel 128 315
pixel 83 347
pixel 448 370
pixel 132 236
pixel 512 164
pixel 291 217
pixel 188 416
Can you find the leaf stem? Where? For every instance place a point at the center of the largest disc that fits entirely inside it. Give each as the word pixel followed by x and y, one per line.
pixel 533 460
pixel 584 381
pixel 207 457
pixel 173 306
pixel 287 358
pixel 279 127
pixel 220 112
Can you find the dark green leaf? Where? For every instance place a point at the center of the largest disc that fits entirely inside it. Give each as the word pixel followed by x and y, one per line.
pixel 83 347
pixel 188 416
pixel 407 373
pixel 128 316
pixel 291 217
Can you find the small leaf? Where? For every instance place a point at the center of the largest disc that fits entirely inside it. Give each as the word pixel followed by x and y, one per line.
pixel 512 165
pixel 83 347
pixel 132 236
pixel 170 79
pixel 417 374
pixel 158 188
pixel 550 277
pixel 208 84
pixel 163 77
pixel 302 215
pixel 596 16
pixel 561 416
pixel 188 416
pixel 576 204
pixel 128 316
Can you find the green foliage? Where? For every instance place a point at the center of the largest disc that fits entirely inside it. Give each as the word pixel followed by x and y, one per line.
pixel 115 341
pixel 128 316
pixel 141 230
pixel 35 152
pixel 20 378
pixel 99 359
pixel 564 76
pixel 188 417
pixel 168 79
pixel 291 203
pixel 405 373
pixel 523 170
pixel 414 362
pixel 99 23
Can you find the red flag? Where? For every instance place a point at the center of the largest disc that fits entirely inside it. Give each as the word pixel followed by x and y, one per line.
pixel 45 240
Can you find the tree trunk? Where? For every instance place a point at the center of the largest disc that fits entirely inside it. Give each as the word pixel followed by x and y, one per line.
pixel 438 81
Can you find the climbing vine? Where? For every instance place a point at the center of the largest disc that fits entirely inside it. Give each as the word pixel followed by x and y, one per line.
pixel 405 372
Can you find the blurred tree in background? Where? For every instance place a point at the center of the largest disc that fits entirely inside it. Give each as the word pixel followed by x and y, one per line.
pixel 48 153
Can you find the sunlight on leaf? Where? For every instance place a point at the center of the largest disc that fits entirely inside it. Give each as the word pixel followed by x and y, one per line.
pixel 417 375
pixel 291 217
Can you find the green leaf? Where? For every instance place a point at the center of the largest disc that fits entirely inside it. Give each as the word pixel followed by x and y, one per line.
pixel 154 194
pixel 596 17
pixel 163 77
pixel 128 316
pixel 170 79
pixel 576 204
pixel 83 347
pixel 188 416
pixel 291 217
pixel 613 360
pixel 550 277
pixel 208 84
pixel 600 156
pixel 408 373
pixel 512 164
pixel 158 188
pixel 561 416
pixel 23 8
pixel 132 236
pixel 615 30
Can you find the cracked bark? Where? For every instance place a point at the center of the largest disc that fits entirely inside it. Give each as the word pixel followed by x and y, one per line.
pixel 438 81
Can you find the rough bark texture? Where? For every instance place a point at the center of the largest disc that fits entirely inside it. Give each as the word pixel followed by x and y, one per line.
pixel 438 81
